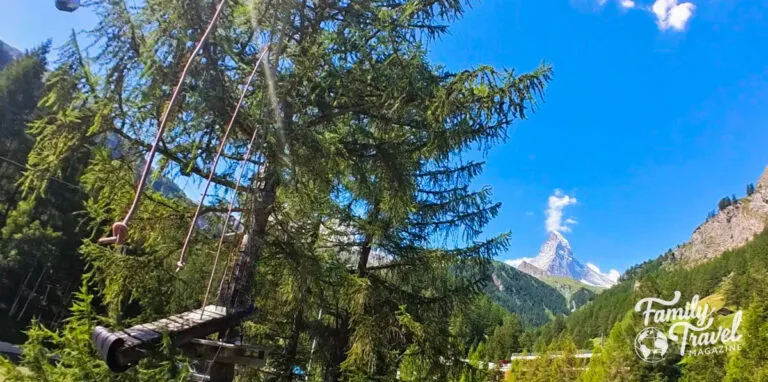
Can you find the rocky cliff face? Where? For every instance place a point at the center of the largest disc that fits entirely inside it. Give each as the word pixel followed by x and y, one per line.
pixel 530 269
pixel 728 229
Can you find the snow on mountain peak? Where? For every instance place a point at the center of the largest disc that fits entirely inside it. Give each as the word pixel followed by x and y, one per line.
pixel 556 258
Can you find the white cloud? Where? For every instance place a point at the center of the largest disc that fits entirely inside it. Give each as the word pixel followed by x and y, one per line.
pixel 671 14
pixel 627 4
pixel 529 213
pixel 623 3
pixel 555 206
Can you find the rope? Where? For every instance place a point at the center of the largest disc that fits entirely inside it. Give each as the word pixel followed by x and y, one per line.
pixel 22 166
pixel 184 248
pixel 241 172
pixel 312 349
pixel 227 271
pixel 215 356
pixel 120 229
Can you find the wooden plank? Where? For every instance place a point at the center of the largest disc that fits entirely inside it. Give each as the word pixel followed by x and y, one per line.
pixel 207 350
pixel 123 348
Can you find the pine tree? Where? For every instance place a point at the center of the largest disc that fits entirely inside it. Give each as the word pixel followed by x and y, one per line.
pixel 724 203
pixel 39 235
pixel 748 364
pixel 614 361
pixel 505 339
pixel 21 85
pixel 750 189
pixel 360 206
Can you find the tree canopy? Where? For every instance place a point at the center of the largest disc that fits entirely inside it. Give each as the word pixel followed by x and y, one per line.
pixel 363 222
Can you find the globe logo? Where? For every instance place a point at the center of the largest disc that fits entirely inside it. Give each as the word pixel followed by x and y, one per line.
pixel 651 345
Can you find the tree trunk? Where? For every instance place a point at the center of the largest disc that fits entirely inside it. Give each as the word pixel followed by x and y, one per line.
pixel 292 345
pixel 338 353
pixel 236 294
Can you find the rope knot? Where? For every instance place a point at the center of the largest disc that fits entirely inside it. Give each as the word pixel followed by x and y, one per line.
pixel 119 233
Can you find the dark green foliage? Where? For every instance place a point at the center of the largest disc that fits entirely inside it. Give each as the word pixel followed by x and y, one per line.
pixel 39 233
pixel 616 359
pixel 533 300
pixel 476 321
pixel 77 359
pixel 724 203
pixel 734 270
pixel 750 363
pixel 21 85
pixel 704 368
pixel 581 297
pixel 598 317
pixel 554 363
pixel 364 211
pixel 750 189
pixel 505 340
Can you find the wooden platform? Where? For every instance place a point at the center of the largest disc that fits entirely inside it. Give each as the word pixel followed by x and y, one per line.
pixel 206 350
pixel 123 349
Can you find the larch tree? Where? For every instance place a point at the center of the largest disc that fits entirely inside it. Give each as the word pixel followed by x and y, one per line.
pixel 357 201
pixel 39 234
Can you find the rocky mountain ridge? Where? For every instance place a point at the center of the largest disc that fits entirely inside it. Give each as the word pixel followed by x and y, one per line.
pixel 730 228
pixel 556 259
pixel 8 54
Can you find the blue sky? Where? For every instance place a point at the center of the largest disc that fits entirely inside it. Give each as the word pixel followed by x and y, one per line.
pixel 654 114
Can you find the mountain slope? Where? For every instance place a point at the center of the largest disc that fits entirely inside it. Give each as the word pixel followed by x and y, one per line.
pixel 532 299
pixel 730 228
pixel 8 54
pixel 577 293
pixel 556 259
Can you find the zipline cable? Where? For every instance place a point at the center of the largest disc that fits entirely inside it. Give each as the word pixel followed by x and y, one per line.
pixel 120 229
pixel 180 263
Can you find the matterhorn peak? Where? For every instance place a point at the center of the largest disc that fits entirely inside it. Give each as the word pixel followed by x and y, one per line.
pixel 556 258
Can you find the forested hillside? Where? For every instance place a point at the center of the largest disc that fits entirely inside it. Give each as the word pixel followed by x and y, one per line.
pixel 737 278
pixel 535 301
